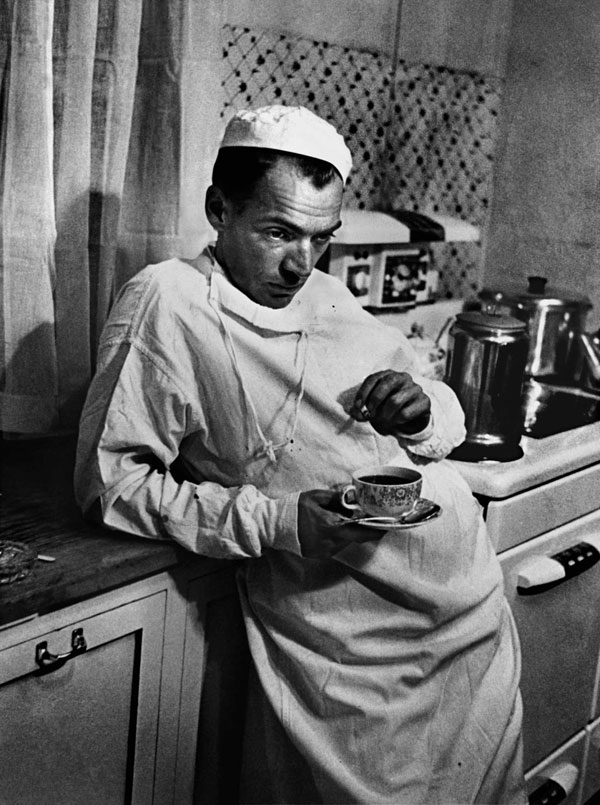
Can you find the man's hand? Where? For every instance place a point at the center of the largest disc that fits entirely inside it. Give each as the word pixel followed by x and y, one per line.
pixel 321 532
pixel 393 403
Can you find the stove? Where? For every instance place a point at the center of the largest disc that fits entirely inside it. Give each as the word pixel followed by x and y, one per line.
pixel 556 480
pixel 543 516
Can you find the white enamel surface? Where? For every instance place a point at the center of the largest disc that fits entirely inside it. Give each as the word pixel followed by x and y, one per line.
pixel 543 461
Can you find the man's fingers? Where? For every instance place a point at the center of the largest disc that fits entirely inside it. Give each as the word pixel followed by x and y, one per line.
pixel 356 533
pixel 375 388
pixel 406 404
pixel 392 402
pixel 391 389
pixel 346 534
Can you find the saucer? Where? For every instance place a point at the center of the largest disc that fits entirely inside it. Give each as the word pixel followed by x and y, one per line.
pixel 421 507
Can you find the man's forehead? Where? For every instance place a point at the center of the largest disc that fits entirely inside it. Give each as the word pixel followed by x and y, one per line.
pixel 312 224
pixel 284 194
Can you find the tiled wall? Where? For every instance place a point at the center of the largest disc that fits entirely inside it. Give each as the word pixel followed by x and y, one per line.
pixel 422 136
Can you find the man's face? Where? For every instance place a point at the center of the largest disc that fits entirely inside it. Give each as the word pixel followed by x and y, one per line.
pixel 269 245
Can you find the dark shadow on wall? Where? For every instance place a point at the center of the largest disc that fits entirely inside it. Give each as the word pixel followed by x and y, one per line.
pixel 31 373
pixel 103 254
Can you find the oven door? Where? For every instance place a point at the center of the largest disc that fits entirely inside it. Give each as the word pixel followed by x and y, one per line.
pixel 559 627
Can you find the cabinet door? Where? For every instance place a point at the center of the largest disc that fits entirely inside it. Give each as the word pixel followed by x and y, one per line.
pixel 83 729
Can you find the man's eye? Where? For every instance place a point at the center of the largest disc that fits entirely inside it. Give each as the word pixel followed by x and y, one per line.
pixel 323 240
pixel 277 234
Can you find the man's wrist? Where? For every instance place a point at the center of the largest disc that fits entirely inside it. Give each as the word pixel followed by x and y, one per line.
pixel 417 429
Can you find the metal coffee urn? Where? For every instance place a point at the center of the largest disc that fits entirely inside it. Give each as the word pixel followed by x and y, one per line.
pixel 485 365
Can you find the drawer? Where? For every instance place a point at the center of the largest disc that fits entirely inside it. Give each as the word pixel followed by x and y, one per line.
pixel 559 630
pixel 516 519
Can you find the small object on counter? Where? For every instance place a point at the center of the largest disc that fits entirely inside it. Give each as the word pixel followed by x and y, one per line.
pixel 43 557
pixel 16 561
pixel 431 357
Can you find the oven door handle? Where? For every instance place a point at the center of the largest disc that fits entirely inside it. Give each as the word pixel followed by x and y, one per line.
pixel 557 786
pixel 540 573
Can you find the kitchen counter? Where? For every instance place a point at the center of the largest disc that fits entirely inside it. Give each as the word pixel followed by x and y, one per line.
pixel 543 460
pixel 37 507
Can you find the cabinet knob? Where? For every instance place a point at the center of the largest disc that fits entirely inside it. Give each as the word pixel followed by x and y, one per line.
pixel 49 661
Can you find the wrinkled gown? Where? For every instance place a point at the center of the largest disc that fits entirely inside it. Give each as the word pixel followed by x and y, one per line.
pixel 388 674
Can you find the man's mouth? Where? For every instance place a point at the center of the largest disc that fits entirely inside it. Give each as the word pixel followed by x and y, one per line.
pixel 285 290
pixel 280 292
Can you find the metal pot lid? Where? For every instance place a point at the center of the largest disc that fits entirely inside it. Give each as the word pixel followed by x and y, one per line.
pixel 478 320
pixel 537 293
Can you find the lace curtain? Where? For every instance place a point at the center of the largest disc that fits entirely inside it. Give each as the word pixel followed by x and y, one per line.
pixel 109 123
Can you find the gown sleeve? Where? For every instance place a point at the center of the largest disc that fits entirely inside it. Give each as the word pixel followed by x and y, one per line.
pixel 446 428
pixel 133 423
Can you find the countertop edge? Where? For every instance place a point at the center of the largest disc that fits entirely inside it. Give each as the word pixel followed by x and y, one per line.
pixel 543 460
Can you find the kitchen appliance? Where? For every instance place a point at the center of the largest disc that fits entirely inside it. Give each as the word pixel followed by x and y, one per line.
pixel 548 408
pixel 587 373
pixel 385 259
pixel 543 517
pixel 555 320
pixel 485 362
pixel 562 373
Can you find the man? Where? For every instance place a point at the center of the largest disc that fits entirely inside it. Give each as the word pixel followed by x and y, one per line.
pixel 235 395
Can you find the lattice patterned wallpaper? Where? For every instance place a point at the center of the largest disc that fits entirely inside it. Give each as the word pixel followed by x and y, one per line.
pixel 422 137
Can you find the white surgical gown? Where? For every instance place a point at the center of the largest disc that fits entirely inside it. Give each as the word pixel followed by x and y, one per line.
pixel 388 674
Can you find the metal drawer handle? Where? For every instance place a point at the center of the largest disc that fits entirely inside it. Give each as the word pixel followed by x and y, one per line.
pixel 540 573
pixel 557 787
pixel 47 660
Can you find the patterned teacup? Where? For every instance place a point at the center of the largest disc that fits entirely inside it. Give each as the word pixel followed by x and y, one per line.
pixel 386 491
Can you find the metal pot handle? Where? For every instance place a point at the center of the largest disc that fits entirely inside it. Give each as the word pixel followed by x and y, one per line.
pixel 591 353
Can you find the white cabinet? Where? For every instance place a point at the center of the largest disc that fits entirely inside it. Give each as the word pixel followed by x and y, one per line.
pixel 103 702
pixel 83 729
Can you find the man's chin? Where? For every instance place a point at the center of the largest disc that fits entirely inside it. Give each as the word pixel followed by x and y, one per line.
pixel 279 300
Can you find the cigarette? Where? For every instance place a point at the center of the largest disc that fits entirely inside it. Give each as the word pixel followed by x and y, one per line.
pixel 43 557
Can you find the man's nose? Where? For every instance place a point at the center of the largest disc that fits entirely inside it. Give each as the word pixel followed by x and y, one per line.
pixel 300 259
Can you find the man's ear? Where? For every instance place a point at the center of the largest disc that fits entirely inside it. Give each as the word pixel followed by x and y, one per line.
pixel 216 207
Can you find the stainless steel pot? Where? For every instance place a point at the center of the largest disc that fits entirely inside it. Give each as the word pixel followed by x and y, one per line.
pixel 549 408
pixel 485 363
pixel 555 321
pixel 587 372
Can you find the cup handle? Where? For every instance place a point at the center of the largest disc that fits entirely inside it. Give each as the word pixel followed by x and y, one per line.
pixel 349 504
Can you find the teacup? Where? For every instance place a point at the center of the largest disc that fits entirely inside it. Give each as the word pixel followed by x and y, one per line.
pixel 384 491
